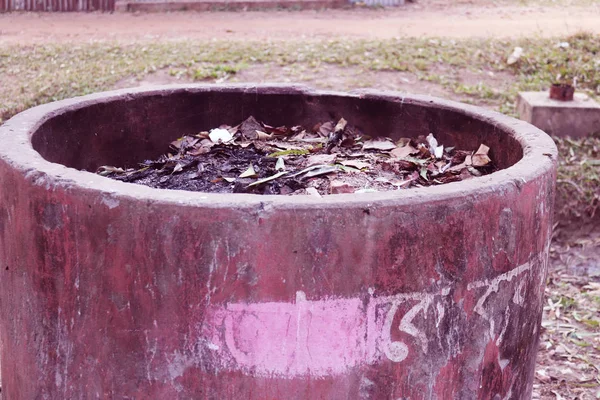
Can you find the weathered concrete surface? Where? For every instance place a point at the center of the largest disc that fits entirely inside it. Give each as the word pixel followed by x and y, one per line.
pixel 114 290
pixel 577 118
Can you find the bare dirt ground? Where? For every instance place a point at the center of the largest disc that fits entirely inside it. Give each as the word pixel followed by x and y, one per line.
pixel 329 77
pixel 459 19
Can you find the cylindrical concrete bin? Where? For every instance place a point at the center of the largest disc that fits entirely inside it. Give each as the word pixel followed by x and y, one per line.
pixel 115 290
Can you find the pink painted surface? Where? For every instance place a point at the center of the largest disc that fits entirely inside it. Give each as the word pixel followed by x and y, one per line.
pixel 316 338
pixel 329 337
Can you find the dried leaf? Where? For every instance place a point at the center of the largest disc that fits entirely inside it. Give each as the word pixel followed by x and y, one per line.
pixel 321 159
pixel 448 178
pixel 404 151
pixel 348 169
pixel 313 192
pixel 219 135
pixel 313 140
pixel 367 190
pixel 341 125
pixel 483 149
pixel 249 173
pixel 458 156
pixel 379 144
pixel 473 171
pixel 403 183
pixel 423 151
pixel 287 145
pixel 406 165
pixel 300 135
pixel 515 55
pixel 325 129
pixel 480 158
pixel 305 170
pixel 199 150
pixel 356 164
pixel 432 142
pixel 434 147
pixel 463 165
pixel 230 180
pixel 177 143
pixel 339 187
pixel 277 131
pixel 326 169
pixel 268 179
pixel 249 127
pixel 263 136
pixel 348 142
pixel 415 160
pixel 558 396
pixel 106 169
pixel 280 164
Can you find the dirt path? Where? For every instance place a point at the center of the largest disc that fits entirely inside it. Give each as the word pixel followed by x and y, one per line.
pixel 426 18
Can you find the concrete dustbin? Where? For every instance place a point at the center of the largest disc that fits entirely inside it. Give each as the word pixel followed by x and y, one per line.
pixel 115 290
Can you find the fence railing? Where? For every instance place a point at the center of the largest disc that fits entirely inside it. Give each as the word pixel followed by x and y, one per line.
pixel 57 5
pixel 109 5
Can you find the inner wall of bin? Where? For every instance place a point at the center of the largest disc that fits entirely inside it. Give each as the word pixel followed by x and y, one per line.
pixel 127 131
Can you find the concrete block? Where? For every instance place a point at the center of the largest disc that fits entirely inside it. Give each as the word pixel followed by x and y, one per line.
pixel 577 118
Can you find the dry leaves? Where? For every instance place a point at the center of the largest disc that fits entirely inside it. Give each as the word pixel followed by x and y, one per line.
pixel 333 157
pixel 568 363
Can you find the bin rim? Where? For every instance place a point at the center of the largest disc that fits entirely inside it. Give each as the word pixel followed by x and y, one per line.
pixel 16 149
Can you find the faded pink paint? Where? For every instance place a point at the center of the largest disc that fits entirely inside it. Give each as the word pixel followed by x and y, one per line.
pixel 327 337
pixel 318 338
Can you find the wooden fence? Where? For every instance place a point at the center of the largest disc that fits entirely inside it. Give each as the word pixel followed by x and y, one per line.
pixel 56 5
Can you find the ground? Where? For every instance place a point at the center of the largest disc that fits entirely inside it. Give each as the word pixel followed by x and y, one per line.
pixel 460 19
pixel 568 365
pixel 451 49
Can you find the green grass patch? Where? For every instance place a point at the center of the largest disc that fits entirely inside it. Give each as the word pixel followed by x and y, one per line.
pixel 33 75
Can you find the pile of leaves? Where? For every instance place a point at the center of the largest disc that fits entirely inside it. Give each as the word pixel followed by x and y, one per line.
pixel 331 157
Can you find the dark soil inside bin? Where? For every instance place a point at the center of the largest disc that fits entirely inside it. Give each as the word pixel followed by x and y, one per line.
pixel 329 158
